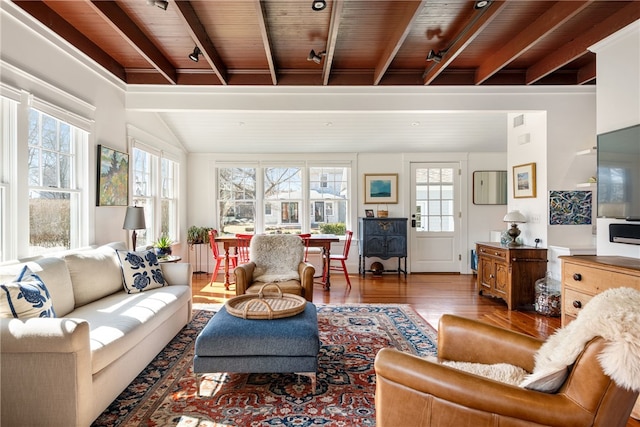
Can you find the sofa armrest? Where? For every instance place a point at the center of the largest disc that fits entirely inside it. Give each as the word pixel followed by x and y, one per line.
pixel 45 372
pixel 306 271
pixel 177 273
pixel 410 391
pixel 468 340
pixel 244 276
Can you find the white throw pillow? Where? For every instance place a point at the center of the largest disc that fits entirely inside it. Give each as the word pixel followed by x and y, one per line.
pixel 140 271
pixel 25 297
pixel 546 381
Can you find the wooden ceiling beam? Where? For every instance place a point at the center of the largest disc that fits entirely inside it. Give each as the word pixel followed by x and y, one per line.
pixel 266 40
pixel 469 33
pixel 129 31
pixel 587 73
pixel 553 18
pixel 580 45
pixel 66 31
pixel 411 12
pixel 201 38
pixel 330 50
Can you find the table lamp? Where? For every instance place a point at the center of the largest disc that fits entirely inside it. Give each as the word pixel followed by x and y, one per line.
pixel 134 220
pixel 515 218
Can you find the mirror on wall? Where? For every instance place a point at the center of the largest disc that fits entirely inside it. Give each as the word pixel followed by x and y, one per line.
pixel 490 188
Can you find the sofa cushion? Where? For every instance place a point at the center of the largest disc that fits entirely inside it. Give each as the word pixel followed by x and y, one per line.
pixel 55 274
pixel 27 296
pixel 141 271
pixel 120 321
pixel 94 273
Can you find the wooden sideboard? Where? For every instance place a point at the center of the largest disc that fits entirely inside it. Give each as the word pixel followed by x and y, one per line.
pixel 584 276
pixel 510 273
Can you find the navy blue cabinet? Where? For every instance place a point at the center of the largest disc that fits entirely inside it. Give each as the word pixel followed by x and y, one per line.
pixel 382 238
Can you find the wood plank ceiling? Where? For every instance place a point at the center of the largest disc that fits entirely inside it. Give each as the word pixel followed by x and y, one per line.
pixel 373 42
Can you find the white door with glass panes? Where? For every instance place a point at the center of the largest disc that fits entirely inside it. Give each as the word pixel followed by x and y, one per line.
pixel 435 218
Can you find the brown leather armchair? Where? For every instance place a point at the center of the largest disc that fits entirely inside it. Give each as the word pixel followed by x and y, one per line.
pixel 411 391
pixel 247 275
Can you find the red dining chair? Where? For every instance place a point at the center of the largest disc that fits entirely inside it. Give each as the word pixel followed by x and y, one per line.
pixel 218 257
pixel 305 239
pixel 242 247
pixel 342 258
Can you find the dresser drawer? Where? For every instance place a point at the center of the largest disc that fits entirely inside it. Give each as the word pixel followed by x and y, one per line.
pixel 496 253
pixel 593 280
pixel 573 301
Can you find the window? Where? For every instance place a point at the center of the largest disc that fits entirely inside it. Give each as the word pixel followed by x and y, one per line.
pixel 155 189
pixel 237 200
pixel 434 199
pixel 54 200
pixel 294 199
pixel 284 185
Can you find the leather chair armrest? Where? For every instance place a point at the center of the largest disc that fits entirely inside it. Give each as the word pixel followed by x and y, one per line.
pixel 468 340
pixel 244 276
pixel 306 271
pixel 408 384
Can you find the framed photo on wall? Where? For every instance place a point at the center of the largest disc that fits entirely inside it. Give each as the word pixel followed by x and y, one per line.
pixel 524 181
pixel 113 177
pixel 381 188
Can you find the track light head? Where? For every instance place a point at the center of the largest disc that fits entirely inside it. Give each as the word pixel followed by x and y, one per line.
pixel 195 54
pixel 481 4
pixel 315 57
pixel 435 57
pixel 162 4
pixel 318 5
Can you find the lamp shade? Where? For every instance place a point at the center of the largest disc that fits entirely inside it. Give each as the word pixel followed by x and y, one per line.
pixel 514 217
pixel 134 219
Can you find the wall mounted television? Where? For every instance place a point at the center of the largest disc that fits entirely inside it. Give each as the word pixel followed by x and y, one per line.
pixel 619 174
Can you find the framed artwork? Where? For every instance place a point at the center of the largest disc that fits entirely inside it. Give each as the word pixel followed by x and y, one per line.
pixel 524 181
pixel 381 188
pixel 113 177
pixel 368 213
pixel 570 207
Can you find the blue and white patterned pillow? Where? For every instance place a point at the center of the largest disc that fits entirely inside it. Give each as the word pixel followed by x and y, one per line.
pixel 140 271
pixel 25 297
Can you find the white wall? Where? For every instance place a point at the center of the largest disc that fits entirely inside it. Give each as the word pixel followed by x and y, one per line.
pixel 618 106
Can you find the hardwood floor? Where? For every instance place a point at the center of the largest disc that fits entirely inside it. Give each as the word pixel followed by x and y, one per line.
pixel 431 295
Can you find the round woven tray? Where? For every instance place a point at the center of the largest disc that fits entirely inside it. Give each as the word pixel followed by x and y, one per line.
pixel 266 305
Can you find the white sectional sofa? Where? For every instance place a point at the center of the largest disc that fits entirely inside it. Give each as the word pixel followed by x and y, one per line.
pixel 65 371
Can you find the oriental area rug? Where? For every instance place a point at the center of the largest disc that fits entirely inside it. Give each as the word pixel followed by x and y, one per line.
pixel 164 394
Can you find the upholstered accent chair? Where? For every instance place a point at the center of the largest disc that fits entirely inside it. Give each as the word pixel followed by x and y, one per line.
pixel 279 259
pixel 415 391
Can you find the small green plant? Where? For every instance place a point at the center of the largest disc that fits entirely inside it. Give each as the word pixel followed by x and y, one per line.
pixel 163 242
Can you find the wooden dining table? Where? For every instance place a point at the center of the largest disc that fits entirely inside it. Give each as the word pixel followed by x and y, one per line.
pixel 323 241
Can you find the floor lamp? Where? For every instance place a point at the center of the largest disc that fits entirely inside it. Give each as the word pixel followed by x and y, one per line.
pixel 134 220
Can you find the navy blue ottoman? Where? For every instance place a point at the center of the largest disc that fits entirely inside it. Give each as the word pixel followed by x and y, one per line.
pixel 232 344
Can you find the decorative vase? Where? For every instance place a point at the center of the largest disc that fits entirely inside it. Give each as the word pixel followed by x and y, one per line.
pixel 163 252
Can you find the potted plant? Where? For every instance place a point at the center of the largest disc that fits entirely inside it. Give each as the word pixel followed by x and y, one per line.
pixel 197 235
pixel 163 246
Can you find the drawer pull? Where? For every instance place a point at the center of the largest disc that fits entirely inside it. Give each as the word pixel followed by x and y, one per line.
pixel 577 304
pixel 577 277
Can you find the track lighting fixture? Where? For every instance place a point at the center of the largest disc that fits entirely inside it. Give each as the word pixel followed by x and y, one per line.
pixel 435 57
pixel 194 55
pixel 315 57
pixel 162 4
pixel 318 5
pixel 481 4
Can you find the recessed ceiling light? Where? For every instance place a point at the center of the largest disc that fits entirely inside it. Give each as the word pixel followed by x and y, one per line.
pixel 318 5
pixel 415 124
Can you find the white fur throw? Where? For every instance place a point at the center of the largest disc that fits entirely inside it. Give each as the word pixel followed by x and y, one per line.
pixel 276 256
pixel 613 315
pixel 503 372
